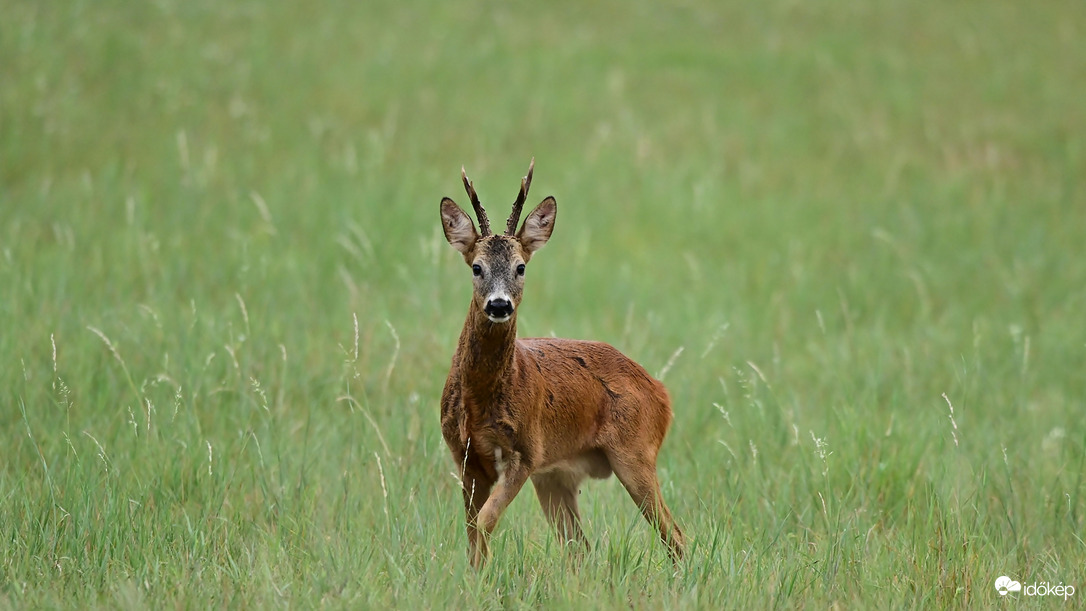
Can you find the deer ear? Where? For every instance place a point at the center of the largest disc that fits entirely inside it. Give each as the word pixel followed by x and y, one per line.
pixel 459 230
pixel 537 228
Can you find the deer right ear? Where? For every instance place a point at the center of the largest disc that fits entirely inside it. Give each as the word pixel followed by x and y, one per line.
pixel 459 230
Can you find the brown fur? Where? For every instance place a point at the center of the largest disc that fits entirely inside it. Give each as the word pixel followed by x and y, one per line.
pixel 551 410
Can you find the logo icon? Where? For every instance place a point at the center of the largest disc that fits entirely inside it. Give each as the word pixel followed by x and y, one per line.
pixel 1005 584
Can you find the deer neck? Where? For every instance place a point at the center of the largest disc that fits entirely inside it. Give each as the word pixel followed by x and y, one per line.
pixel 487 351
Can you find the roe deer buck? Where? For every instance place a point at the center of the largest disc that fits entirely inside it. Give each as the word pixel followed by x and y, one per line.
pixel 553 410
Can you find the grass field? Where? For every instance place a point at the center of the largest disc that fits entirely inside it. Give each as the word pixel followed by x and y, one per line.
pixel 228 309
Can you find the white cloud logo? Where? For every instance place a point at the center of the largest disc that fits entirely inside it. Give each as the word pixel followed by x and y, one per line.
pixel 1005 584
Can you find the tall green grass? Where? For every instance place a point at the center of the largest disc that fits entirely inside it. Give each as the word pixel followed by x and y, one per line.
pixel 848 235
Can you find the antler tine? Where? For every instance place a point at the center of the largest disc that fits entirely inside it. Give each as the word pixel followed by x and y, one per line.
pixel 525 184
pixel 484 223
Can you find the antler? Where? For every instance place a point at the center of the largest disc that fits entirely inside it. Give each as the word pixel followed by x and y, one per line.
pixel 484 223
pixel 525 184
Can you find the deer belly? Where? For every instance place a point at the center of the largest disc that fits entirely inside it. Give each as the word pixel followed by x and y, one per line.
pixel 592 463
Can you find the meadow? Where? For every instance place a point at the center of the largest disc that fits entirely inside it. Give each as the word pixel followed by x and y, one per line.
pixel 847 235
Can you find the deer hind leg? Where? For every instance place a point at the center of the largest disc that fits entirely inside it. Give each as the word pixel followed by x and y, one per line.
pixel 638 476
pixel 557 492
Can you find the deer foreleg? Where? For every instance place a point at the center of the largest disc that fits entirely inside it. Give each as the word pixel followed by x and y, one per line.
pixel 511 478
pixel 476 490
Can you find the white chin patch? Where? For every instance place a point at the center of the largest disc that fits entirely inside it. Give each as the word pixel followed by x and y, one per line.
pixel 499 320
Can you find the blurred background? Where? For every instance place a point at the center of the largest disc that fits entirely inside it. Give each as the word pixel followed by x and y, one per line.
pixel 228 309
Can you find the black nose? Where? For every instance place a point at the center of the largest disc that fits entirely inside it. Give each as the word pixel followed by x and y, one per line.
pixel 499 308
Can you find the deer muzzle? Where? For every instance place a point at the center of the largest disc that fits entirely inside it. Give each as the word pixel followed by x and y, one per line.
pixel 499 308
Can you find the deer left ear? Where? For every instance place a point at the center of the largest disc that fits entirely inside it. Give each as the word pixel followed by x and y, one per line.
pixel 459 230
pixel 537 228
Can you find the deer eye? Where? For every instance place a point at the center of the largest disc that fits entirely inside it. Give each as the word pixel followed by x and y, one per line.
pixel 520 269
pixel 477 270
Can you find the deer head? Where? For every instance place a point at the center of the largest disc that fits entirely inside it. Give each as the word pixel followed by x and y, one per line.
pixel 498 261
